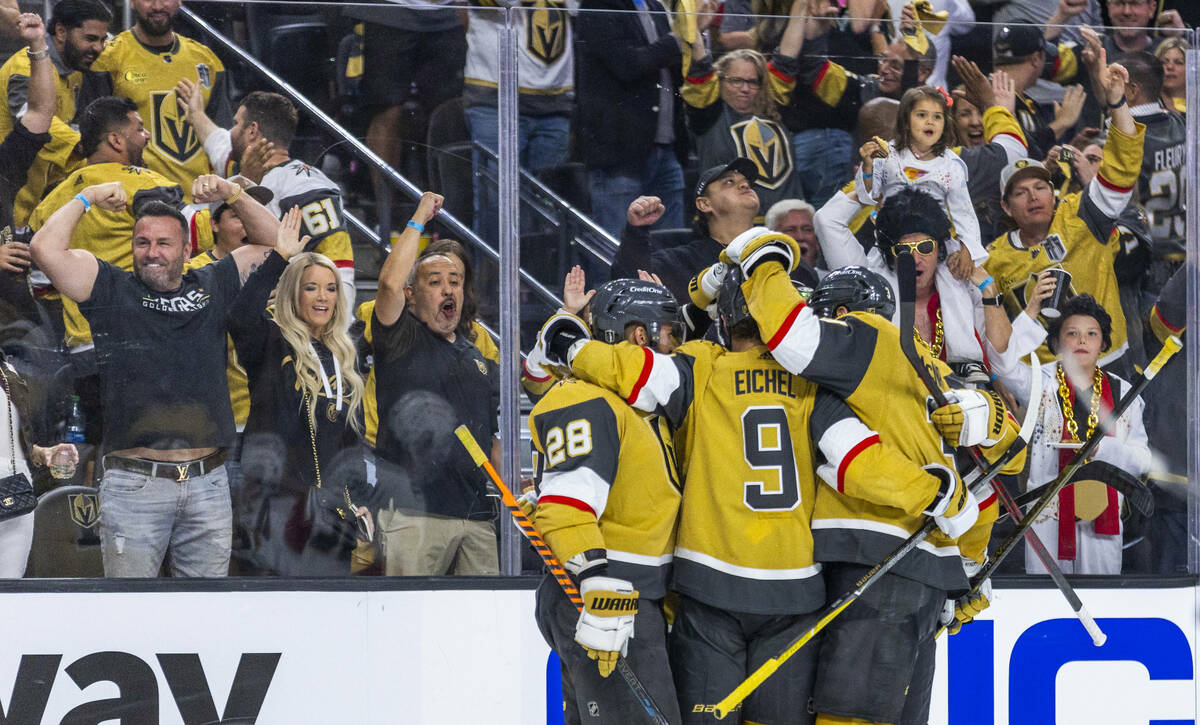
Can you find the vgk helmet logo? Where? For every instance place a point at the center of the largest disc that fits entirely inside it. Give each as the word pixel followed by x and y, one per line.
pixel 764 143
pixel 84 509
pixel 172 135
pixel 546 31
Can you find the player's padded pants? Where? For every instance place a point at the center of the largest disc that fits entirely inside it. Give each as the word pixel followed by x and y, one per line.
pixel 598 700
pixel 877 658
pixel 714 650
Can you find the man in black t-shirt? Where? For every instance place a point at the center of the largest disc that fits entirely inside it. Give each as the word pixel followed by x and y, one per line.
pixel 430 378
pixel 160 343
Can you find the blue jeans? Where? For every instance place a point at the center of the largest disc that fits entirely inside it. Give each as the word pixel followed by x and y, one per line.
pixel 142 517
pixel 542 142
pixel 612 191
pixel 824 161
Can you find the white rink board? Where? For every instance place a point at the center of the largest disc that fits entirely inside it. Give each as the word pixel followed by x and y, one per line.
pixel 454 657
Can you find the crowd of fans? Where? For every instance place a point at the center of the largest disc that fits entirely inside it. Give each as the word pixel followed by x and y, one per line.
pixel 1040 157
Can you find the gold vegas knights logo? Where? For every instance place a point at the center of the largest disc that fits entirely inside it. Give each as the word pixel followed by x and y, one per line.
pixel 84 509
pixel 170 133
pixel 764 143
pixel 546 31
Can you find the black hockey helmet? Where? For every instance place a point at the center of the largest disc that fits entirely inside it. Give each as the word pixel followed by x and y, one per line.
pixel 732 308
pixel 624 302
pixel 858 289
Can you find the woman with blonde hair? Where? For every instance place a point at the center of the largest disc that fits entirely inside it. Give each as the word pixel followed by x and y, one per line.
pixel 1173 54
pixel 303 455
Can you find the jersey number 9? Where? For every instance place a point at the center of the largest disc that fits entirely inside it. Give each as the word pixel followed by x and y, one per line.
pixel 767 444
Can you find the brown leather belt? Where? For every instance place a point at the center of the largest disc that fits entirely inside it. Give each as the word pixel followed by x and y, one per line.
pixel 175 471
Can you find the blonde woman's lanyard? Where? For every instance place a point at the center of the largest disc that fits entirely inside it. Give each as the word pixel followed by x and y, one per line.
pixel 337 373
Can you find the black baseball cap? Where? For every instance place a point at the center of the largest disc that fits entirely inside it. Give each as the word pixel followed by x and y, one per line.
pixel 1014 43
pixel 745 167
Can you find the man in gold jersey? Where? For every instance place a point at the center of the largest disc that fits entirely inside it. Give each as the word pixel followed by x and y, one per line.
pixel 144 64
pixel 608 499
pixel 113 139
pixel 753 440
pixel 76 33
pixel 1077 231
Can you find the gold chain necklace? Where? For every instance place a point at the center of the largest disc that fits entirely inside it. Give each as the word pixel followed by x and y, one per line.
pixel 1069 411
pixel 939 335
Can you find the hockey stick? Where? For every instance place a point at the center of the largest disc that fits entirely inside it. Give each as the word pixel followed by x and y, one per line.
pixel 552 563
pixel 906 273
pixel 1050 491
pixel 766 669
pixel 1135 492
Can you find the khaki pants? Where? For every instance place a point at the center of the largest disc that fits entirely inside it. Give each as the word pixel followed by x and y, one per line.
pixel 419 544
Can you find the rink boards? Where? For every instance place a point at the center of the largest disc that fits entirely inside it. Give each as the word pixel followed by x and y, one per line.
pixel 458 656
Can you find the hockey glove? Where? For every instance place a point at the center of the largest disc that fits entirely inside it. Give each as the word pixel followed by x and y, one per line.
pixel 759 244
pixel 954 509
pixel 957 612
pixel 970 418
pixel 605 625
pixel 557 337
pixel 703 288
pixel 527 502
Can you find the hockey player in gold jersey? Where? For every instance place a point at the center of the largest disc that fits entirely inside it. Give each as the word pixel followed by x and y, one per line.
pixel 1077 231
pixel 608 499
pixel 750 437
pixel 144 64
pixel 877 658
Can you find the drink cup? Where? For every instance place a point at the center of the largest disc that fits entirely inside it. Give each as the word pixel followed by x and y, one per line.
pixel 1052 305
pixel 62 464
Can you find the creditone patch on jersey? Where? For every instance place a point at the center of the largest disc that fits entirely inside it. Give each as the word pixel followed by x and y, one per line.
pixel 204 74
pixel 546 30
pixel 171 134
pixel 765 143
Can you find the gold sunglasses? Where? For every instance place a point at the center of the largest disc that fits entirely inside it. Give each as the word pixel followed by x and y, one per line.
pixel 922 246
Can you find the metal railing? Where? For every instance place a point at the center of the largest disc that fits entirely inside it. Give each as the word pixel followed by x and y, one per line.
pixel 390 175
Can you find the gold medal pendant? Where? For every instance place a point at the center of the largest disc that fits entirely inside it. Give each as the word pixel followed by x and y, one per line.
pixel 331 413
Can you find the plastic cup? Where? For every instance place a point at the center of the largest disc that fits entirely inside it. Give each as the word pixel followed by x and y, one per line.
pixel 1052 305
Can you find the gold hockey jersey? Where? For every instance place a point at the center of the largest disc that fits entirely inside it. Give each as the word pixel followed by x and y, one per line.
pixel 858 357
pixel 106 234
pixel 56 159
pixel 750 435
pixel 609 482
pixel 148 78
pixel 1082 240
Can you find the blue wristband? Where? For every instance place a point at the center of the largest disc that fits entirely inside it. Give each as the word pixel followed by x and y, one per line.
pixel 985 282
pixel 867 176
pixel 416 225
pixel 86 204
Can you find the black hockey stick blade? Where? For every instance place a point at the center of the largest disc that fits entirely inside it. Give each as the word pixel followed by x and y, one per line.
pixel 1136 494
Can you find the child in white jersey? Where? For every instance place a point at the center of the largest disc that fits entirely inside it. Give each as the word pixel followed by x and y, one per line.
pixel 921 156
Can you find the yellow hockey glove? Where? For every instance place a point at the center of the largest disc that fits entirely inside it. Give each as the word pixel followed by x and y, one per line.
pixel 605 625
pixel 954 509
pixel 970 418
